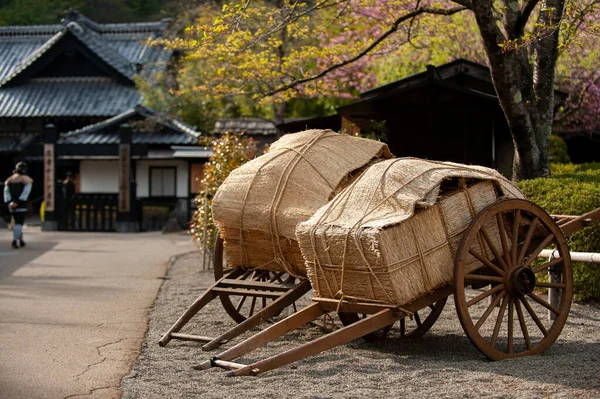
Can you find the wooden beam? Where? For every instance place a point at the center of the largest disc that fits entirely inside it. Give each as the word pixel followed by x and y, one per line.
pixel 255 285
pixel 339 337
pixel 270 311
pixel 579 223
pixel 277 330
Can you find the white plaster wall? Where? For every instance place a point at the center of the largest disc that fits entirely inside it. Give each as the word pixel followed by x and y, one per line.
pixel 143 175
pixel 99 176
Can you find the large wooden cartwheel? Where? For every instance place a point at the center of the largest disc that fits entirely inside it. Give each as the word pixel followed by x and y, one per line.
pixel 241 307
pixel 512 280
pixel 409 327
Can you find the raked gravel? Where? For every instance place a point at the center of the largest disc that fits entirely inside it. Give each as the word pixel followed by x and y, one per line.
pixel 442 364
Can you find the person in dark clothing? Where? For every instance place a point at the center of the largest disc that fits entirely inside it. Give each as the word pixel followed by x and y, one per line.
pixel 16 191
pixel 68 191
pixel 68 186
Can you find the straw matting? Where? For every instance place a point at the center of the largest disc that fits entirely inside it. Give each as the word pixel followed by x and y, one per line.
pixel 259 205
pixel 392 235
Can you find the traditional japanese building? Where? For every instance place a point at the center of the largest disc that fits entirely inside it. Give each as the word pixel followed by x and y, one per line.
pixel 69 102
pixel 448 113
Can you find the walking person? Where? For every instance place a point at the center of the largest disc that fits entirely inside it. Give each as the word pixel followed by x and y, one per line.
pixel 68 186
pixel 16 191
pixel 67 209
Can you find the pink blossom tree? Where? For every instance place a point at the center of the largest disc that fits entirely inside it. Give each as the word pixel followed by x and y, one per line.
pixel 275 51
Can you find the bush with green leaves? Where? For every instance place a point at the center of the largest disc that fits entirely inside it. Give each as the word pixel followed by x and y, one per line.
pixel 558 150
pixel 230 151
pixel 573 190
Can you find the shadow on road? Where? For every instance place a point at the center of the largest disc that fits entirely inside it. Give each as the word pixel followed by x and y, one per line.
pixel 13 259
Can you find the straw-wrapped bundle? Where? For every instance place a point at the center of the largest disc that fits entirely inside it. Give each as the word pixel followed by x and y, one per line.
pixel 392 236
pixel 259 205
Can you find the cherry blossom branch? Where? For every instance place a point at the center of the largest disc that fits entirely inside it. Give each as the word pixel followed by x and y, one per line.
pixel 393 28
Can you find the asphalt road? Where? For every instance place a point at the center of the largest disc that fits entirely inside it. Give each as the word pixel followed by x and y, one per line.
pixel 74 309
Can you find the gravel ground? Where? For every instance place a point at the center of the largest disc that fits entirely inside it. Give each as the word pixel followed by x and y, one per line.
pixel 442 364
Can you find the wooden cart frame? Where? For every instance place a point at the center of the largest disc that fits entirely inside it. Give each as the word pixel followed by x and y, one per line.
pixel 235 287
pixel 509 279
pixel 270 291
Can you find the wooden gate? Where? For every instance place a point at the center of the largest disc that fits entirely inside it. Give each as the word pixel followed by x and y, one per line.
pixel 89 212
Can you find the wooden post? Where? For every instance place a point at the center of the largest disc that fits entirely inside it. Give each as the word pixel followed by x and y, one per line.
pixel 126 220
pixel 205 252
pixel 349 128
pixel 50 137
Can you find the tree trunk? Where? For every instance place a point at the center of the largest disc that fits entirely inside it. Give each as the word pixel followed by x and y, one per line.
pixel 525 89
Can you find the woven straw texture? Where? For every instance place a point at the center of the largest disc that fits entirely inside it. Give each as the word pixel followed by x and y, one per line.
pixel 259 205
pixel 392 236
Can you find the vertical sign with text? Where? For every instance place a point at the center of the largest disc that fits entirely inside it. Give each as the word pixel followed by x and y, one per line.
pixel 49 177
pixel 124 180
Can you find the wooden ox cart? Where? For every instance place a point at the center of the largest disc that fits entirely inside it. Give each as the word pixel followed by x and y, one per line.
pixel 257 209
pixel 499 303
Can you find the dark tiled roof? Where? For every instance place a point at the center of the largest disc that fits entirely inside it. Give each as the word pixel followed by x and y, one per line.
pixel 67 97
pixel 113 137
pixel 169 132
pixel 250 126
pixel 123 47
pixel 90 39
pixel 15 142
pixel 108 54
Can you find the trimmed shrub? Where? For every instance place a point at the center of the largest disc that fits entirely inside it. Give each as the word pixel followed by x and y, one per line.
pixel 558 150
pixel 573 190
pixel 229 152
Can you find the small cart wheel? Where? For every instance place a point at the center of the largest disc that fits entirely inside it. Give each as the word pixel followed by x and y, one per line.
pixel 497 260
pixel 241 307
pixel 409 327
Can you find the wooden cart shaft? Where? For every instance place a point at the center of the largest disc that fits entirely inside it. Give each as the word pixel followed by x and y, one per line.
pixel 572 224
pixel 382 315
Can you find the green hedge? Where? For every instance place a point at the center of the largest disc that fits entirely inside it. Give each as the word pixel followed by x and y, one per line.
pixel 573 190
pixel 558 150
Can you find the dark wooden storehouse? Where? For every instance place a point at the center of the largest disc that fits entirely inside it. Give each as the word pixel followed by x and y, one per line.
pixel 448 113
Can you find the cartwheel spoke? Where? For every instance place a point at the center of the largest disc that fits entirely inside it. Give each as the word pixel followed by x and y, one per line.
pixel 483 277
pixel 510 325
pixel 515 237
pixel 276 277
pixel 491 245
pixel 523 325
pixel 537 251
pixel 240 303
pixel 550 285
pixel 534 316
pixel 528 237
pixel 544 303
pixel 417 319
pixel 499 321
pixel 503 239
pixel 252 306
pixel 547 265
pixel 486 262
pixel 402 327
pixel 484 295
pixel 489 310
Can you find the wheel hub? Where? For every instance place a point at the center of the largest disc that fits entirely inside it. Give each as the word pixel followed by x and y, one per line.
pixel 522 281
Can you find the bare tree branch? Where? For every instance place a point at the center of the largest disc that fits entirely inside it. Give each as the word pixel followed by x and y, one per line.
pixel 290 18
pixel 368 49
pixel 464 3
pixel 526 11
pixel 511 16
